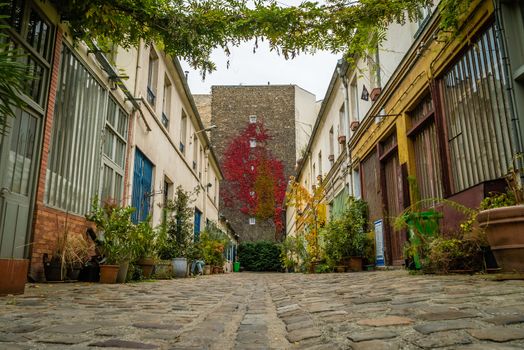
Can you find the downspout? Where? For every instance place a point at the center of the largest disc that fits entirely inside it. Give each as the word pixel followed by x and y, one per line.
pixel 131 156
pixel 499 29
pixel 342 71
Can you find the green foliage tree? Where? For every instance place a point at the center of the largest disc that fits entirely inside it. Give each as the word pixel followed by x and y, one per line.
pixel 191 29
pixel 260 256
pixel 177 230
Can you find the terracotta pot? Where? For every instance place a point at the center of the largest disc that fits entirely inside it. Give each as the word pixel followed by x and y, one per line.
pixel 505 233
pixel 14 276
pixel 108 273
pixel 207 269
pixel 340 269
pixel 147 265
pixel 342 139
pixel 163 270
pixel 355 264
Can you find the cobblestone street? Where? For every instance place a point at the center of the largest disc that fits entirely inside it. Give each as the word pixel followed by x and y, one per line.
pixel 380 310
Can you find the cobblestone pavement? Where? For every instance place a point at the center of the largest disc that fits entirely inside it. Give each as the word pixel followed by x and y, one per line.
pixel 373 310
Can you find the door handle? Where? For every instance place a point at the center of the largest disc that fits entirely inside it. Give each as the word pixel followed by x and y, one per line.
pixel 4 190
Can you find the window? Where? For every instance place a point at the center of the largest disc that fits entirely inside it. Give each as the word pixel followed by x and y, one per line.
pixel 195 153
pixel 331 146
pixel 476 106
pixel 341 121
pixel 183 132
pixel 215 193
pixel 356 183
pixel 252 143
pixel 114 154
pixel 252 221
pixel 320 163
pixel 353 93
pixel 166 102
pixel 252 119
pixel 166 193
pixel 72 177
pixel 201 163
pixel 152 77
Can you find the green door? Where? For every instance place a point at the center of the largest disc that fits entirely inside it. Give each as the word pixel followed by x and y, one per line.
pixel 18 163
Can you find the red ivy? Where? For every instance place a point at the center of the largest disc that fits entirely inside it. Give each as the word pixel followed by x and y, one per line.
pixel 255 180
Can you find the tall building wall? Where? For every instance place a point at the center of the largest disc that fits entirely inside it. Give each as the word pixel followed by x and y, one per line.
pixel 275 106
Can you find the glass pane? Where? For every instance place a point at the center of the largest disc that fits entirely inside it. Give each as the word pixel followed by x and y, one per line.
pixel 122 124
pixel 120 153
pixel 15 10
pixel 106 183
pixel 38 34
pixel 111 112
pixel 118 187
pixel 35 86
pixel 109 143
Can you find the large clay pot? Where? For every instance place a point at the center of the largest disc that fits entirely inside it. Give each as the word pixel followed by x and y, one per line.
pixel 108 273
pixel 163 269
pixel 122 272
pixel 13 274
pixel 355 264
pixel 505 233
pixel 179 267
pixel 207 269
pixel 147 265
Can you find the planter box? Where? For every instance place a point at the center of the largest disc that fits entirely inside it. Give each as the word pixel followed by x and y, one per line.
pixel 14 276
pixel 505 233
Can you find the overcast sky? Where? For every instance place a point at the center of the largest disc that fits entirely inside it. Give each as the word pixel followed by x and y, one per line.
pixel 310 72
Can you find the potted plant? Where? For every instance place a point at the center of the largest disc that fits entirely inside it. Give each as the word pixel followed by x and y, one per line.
pixel 178 228
pixel 77 251
pixel 502 217
pixel 114 227
pixel 148 242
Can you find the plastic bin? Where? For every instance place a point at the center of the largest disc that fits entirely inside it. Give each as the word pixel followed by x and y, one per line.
pixel 236 267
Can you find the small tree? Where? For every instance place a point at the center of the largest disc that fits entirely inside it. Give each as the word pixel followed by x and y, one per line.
pixel 311 214
pixel 178 227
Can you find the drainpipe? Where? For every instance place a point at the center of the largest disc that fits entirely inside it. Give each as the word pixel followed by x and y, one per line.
pixel 342 70
pixel 499 29
pixel 132 145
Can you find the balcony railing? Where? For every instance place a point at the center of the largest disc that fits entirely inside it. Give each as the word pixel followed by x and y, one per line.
pixel 151 97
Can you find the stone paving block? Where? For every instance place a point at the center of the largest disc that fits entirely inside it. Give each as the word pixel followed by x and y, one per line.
pixel 124 344
pixel 157 326
pixel 491 346
pixel 441 326
pixel 63 340
pixel 445 315
pixel 26 328
pixel 385 321
pixel 443 339
pixel 300 325
pixel 506 319
pixel 498 334
pixel 374 345
pixel 371 335
pixel 302 334
pixel 7 346
pixel 71 328
pixel 12 338
pixel 370 300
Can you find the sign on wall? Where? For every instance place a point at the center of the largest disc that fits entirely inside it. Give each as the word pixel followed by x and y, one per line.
pixel 379 243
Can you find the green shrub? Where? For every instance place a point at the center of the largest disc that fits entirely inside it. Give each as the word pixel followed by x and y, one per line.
pixel 260 256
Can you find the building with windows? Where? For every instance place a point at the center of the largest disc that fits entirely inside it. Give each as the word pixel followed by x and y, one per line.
pixel 120 126
pixel 445 122
pixel 287 113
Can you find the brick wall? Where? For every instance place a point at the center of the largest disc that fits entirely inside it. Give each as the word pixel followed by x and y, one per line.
pixel 231 107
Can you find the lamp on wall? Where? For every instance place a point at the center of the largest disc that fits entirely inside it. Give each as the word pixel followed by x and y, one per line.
pixel 206 129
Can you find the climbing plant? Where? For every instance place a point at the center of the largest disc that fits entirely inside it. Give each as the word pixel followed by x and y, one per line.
pixel 254 177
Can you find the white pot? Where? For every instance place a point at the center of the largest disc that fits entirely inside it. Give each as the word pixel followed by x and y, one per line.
pixel 179 267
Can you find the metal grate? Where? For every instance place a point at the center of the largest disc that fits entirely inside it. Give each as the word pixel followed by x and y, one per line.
pixel 477 113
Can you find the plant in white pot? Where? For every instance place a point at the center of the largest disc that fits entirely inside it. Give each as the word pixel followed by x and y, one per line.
pixel 178 229
pixel 502 216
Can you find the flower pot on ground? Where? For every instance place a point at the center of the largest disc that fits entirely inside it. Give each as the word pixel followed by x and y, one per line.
pixel 53 269
pixel 179 267
pixel 505 234
pixel 355 264
pixel 14 276
pixel 109 273
pixel 147 265
pixel 163 269
pixel 207 269
pixel 122 272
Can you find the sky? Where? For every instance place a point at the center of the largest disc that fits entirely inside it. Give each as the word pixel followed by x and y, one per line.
pixel 310 72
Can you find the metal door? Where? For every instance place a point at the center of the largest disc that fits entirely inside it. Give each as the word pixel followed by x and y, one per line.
pixel 18 163
pixel 142 181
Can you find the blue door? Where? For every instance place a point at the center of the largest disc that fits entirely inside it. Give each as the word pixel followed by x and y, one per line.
pixel 198 219
pixel 142 180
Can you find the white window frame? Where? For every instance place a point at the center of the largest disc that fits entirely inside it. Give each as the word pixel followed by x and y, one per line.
pixel 252 221
pixel 252 119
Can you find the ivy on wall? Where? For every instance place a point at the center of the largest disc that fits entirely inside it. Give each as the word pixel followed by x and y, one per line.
pixel 254 177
